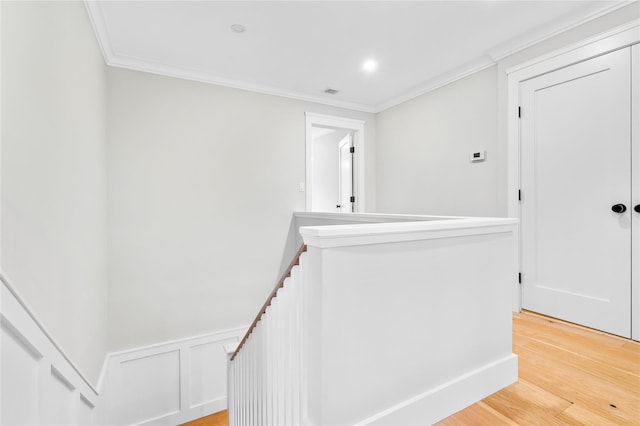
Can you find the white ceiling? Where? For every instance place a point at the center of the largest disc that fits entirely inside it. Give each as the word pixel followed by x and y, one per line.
pixel 300 48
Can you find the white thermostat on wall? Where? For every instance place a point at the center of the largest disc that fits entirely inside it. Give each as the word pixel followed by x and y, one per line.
pixel 477 156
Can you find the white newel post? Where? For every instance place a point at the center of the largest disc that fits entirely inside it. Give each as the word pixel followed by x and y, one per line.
pixel 231 384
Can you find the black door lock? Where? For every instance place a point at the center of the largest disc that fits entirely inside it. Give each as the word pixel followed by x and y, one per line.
pixel 619 208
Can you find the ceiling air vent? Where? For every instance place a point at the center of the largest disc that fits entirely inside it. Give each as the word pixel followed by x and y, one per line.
pixel 331 91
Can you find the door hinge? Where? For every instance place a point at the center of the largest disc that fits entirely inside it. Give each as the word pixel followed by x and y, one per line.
pixel 519 112
pixel 352 199
pixel 519 277
pixel 352 149
pixel 519 195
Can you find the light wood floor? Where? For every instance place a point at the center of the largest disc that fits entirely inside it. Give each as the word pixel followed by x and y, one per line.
pixel 568 375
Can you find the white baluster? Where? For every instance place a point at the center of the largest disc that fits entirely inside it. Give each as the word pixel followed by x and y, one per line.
pixel 238 359
pixel 270 378
pixel 276 359
pixel 245 385
pixel 259 370
pixel 282 319
pixel 263 373
pixel 295 348
pixel 230 389
pixel 288 358
pixel 252 405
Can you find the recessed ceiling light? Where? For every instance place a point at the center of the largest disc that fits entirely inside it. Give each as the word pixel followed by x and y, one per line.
pixel 238 28
pixel 369 65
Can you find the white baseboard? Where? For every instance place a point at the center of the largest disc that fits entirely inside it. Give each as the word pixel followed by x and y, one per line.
pixel 168 383
pixel 451 397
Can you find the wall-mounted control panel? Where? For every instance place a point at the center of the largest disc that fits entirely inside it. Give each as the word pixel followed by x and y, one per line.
pixel 477 156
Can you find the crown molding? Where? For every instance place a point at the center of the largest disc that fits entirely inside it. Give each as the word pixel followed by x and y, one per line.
pixel 516 45
pixel 438 82
pixel 491 58
pixel 494 56
pixel 113 59
pixel 131 63
pixel 94 11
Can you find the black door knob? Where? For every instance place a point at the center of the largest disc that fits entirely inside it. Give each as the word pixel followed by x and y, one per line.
pixel 637 208
pixel 619 208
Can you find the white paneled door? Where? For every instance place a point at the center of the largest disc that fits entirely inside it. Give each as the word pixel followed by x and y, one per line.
pixel 576 202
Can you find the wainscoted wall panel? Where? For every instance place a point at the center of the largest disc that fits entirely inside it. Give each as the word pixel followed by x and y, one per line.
pixel 208 383
pixel 39 384
pixel 20 375
pixel 61 404
pixel 169 383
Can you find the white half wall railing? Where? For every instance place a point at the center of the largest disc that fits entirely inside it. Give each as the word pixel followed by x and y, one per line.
pixel 404 322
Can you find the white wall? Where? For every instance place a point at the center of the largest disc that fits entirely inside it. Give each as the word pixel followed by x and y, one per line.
pixel 424 144
pixel 203 183
pixel 54 173
pixel 326 170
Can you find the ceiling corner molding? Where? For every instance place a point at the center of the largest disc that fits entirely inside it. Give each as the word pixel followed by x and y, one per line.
pixel 94 12
pixel 437 83
pixel 496 55
pixel 500 52
pixel 135 64
pixel 99 28
pixel 490 58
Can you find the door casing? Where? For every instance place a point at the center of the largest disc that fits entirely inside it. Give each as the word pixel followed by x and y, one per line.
pixel 357 128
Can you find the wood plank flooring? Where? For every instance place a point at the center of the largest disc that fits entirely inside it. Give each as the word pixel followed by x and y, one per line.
pixel 568 375
pixel 215 419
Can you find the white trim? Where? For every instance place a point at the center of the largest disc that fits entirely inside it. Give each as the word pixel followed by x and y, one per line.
pixel 357 126
pixel 52 376
pixel 38 323
pixel 134 353
pixel 613 39
pixel 379 233
pixel 437 83
pixel 135 64
pixel 117 60
pixel 499 54
pixel 370 217
pixel 617 38
pixel 17 318
pixel 94 12
pixel 635 196
pixel 176 390
pixel 492 58
pixel 452 396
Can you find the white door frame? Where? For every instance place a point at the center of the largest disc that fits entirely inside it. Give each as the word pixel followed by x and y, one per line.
pixel 357 127
pixel 617 38
pixel 347 140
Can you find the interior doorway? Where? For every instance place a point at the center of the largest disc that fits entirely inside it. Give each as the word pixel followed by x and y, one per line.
pixel 573 168
pixel 335 164
pixel 576 192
